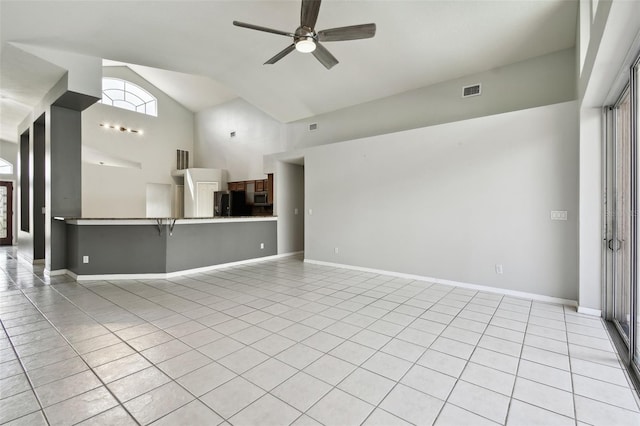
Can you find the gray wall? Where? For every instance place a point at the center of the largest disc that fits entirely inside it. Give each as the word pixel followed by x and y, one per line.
pixel 544 80
pixel 452 201
pixel 115 249
pixel 199 245
pixel 38 188
pixel 141 249
pixel 63 172
pixel 64 160
pixel 61 167
pixel 25 239
pixel 289 190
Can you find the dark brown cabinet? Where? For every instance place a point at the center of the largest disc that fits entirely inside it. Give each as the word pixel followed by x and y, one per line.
pixel 269 188
pixel 236 186
pixel 259 185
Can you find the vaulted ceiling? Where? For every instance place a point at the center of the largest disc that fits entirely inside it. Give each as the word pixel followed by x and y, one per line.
pixel 418 43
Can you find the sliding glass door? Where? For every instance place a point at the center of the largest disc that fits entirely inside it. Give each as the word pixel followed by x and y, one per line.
pixel 622 233
pixel 634 140
pixel 621 241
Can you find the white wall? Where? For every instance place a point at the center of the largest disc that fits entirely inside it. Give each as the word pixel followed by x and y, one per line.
pixel 9 152
pixel 191 178
pixel 544 80
pixel 257 134
pixel 452 201
pixel 121 191
pixel 158 200
pixel 83 70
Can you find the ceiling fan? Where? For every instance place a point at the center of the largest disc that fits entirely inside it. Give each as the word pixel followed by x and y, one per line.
pixel 307 40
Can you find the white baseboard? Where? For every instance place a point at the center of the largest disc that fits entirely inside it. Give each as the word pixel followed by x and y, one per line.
pixel 167 275
pixel 589 311
pixel 56 272
pixel 478 287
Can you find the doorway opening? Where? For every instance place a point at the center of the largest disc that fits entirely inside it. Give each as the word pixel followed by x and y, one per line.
pixel 6 213
pixel 290 205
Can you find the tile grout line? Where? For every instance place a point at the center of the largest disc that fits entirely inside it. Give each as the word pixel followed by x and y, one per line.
pixel 369 357
pixel 573 386
pixel 24 371
pixel 80 356
pixel 153 365
pixel 468 360
pixel 328 353
pixel 427 348
pixel 513 388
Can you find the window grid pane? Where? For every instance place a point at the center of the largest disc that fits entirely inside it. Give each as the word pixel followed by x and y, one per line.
pixel 126 95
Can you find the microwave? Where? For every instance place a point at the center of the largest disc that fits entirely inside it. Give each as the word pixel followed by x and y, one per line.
pixel 260 199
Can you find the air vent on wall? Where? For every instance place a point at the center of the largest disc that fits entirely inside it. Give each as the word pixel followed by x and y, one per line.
pixel 472 90
pixel 313 126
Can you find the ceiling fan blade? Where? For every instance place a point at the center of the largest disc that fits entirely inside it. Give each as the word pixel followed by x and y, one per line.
pixel 309 13
pixel 353 32
pixel 324 56
pixel 281 55
pixel 259 28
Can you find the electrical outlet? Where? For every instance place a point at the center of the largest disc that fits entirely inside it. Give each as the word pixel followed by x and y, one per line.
pixel 310 212
pixel 498 269
pixel 261 246
pixel 295 211
pixel 336 250
pixel 85 259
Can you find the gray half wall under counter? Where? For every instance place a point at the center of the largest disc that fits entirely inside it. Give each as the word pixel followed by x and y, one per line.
pixel 139 247
pixel 199 245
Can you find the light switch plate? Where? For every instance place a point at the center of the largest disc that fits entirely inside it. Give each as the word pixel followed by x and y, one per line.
pixel 558 215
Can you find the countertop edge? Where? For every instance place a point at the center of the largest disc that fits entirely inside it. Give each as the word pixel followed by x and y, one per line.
pixel 166 221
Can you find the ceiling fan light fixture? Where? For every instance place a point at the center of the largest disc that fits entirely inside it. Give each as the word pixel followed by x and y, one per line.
pixel 305 45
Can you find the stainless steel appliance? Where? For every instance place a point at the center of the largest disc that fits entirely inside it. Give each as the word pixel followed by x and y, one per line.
pixel 260 199
pixel 229 203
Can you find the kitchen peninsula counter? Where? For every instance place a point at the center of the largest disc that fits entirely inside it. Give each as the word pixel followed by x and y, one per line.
pixel 130 248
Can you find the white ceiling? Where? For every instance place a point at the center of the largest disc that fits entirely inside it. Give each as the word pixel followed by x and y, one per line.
pixel 418 43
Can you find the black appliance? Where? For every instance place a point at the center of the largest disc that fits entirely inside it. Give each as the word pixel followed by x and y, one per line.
pixel 229 203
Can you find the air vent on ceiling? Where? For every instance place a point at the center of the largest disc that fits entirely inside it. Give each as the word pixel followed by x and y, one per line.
pixel 313 126
pixel 232 134
pixel 472 90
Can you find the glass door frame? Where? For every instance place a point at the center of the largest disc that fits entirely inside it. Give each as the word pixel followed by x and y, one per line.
pixel 630 348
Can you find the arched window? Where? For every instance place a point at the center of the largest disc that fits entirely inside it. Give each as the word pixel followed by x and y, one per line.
pixel 6 168
pixel 124 94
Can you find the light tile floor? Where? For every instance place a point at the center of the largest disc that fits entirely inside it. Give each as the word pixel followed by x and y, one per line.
pixel 283 342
